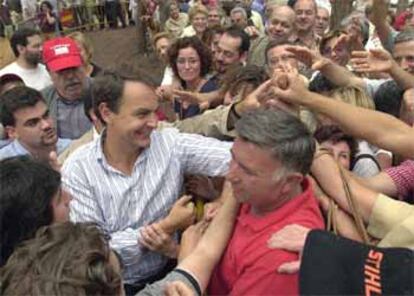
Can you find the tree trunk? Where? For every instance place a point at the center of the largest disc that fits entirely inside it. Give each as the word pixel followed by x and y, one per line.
pixel 340 9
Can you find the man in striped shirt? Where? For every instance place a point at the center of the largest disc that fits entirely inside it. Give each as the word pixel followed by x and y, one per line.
pixel 132 174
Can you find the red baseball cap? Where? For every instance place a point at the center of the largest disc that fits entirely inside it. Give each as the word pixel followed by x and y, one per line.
pixel 61 53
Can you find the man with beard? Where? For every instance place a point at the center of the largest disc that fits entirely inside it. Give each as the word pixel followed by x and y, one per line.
pixel 70 83
pixel 26 119
pixel 27 47
pixel 280 27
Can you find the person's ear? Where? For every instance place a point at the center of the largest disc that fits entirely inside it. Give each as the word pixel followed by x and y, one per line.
pixel 105 112
pixel 21 48
pixel 291 180
pixel 11 132
pixel 243 57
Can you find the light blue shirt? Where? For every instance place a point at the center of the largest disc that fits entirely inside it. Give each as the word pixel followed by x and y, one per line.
pixel 121 204
pixel 17 149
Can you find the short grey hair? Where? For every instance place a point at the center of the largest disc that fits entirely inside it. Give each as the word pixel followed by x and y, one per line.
pixel 404 36
pixel 288 139
pixel 239 9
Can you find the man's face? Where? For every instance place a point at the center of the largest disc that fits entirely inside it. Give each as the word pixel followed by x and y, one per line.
pixel 214 44
pixel 278 58
pixel 281 24
pixel 161 47
pixel 227 53
pixel 404 55
pixel 339 54
pixel 174 12
pixel 69 82
pixel 32 52
pixel 305 15
pixel 238 19
pixel 213 18
pixel 199 22
pixel 253 173
pixel 33 127
pixel 322 21
pixel 60 206
pixel 136 118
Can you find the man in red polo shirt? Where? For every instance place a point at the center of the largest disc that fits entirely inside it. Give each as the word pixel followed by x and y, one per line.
pixel 270 159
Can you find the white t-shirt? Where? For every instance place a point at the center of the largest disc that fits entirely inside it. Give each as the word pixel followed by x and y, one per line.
pixel 36 78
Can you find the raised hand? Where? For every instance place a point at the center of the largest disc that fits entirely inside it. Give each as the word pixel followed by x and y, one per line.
pixel 192 98
pixel 290 88
pixel 311 58
pixel 375 60
pixel 290 238
pixel 181 215
pixel 254 99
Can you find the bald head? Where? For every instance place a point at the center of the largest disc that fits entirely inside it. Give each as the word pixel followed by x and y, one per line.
pixel 281 23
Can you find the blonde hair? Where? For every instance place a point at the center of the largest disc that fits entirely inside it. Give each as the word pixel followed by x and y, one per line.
pixel 353 95
pixel 83 41
pixel 196 9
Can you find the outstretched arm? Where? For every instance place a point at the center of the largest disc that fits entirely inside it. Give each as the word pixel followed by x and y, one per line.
pixel 208 251
pixel 379 60
pixel 377 128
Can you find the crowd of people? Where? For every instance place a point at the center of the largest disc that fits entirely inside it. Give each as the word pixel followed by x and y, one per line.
pixel 275 156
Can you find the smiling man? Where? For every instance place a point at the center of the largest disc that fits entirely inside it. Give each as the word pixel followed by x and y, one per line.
pixel 305 22
pixel 26 119
pixel 70 82
pixel 132 174
pixel 270 159
pixel 280 27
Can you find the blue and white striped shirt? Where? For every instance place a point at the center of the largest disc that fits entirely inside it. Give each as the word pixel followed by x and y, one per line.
pixel 122 204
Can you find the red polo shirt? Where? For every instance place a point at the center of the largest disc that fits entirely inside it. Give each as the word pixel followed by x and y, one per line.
pixel 248 266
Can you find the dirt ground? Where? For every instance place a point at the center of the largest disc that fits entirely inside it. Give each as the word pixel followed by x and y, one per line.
pixel 116 47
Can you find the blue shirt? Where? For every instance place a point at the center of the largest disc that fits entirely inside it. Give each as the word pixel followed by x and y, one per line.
pixel 17 149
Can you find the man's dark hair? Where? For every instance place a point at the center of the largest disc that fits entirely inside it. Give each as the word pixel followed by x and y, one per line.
pixel 20 38
pixel 109 87
pixel 321 84
pixel 27 189
pixel 288 139
pixel 236 32
pixel 388 98
pixel 291 3
pixel 48 4
pixel 15 99
pixel 334 134
pixel 238 75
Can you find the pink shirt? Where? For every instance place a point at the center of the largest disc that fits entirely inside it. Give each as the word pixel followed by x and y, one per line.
pixel 248 266
pixel 403 177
